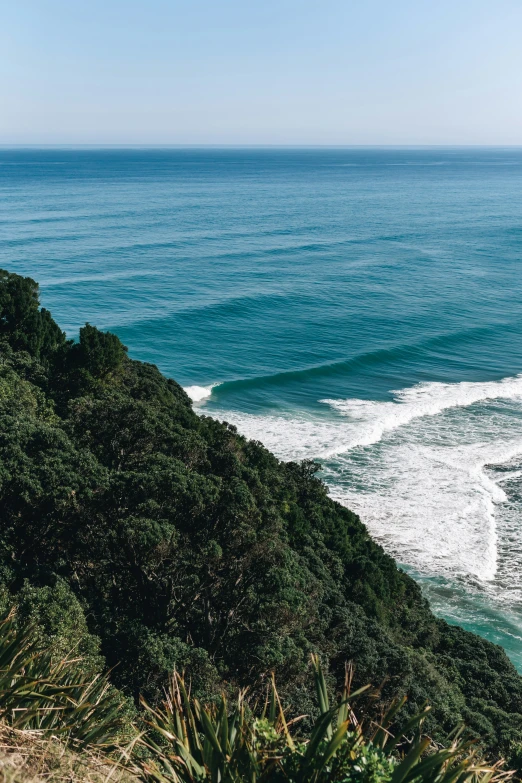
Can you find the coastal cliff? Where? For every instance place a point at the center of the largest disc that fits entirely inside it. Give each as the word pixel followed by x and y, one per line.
pixel 148 538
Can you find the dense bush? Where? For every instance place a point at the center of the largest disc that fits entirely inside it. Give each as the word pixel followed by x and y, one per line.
pixel 22 322
pixel 182 544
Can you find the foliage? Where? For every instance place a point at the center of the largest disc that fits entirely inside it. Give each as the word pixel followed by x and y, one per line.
pixel 98 352
pixel 57 621
pixel 188 742
pixel 54 696
pixel 218 744
pixel 22 322
pixel 168 540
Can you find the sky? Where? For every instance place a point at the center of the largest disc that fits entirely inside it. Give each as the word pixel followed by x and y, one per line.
pixel 276 72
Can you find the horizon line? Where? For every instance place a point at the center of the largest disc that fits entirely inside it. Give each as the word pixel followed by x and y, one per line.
pixel 122 145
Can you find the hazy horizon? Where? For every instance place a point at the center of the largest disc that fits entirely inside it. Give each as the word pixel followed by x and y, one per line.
pixel 285 73
pixel 145 146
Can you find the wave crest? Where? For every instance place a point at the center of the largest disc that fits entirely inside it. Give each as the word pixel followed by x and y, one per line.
pixel 198 393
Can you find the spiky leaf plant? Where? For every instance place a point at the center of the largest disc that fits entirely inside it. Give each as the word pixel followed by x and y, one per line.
pixel 220 743
pixel 54 696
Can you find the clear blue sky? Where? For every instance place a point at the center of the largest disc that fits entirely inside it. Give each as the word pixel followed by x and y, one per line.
pixel 261 72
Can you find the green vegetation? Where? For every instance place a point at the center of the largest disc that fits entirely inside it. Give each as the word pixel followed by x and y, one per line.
pixel 216 743
pixel 53 695
pixel 149 538
pixel 185 741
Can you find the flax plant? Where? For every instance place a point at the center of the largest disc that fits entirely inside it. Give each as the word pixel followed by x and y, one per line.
pixel 189 742
pixel 54 696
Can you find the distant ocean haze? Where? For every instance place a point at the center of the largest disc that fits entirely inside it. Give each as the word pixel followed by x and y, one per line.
pixel 361 307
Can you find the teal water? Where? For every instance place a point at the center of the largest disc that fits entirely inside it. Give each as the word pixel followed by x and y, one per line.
pixel 358 306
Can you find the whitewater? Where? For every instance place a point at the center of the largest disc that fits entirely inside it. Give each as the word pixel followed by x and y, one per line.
pixel 446 452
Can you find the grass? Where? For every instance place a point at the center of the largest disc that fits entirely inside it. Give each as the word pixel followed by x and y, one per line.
pixel 31 757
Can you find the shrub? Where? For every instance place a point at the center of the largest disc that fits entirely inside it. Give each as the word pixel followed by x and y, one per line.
pixel 23 324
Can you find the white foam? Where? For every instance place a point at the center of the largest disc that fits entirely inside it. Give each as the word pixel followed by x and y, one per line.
pixel 365 422
pixel 424 399
pixel 198 393
pixel 294 436
pixel 416 469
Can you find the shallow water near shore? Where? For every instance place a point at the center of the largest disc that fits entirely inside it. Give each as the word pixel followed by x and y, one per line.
pixel 361 307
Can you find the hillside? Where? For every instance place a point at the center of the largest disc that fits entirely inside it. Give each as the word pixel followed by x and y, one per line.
pixel 151 537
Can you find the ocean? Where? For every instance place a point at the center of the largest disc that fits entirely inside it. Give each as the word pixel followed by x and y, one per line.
pixel 359 307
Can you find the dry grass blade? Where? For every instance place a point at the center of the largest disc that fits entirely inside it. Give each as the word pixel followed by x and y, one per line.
pixel 30 757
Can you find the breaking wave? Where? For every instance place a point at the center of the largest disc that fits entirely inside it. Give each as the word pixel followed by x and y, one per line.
pixel 432 472
pixel 198 393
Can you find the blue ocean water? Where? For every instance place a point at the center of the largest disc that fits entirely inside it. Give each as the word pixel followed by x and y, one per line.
pixel 358 306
